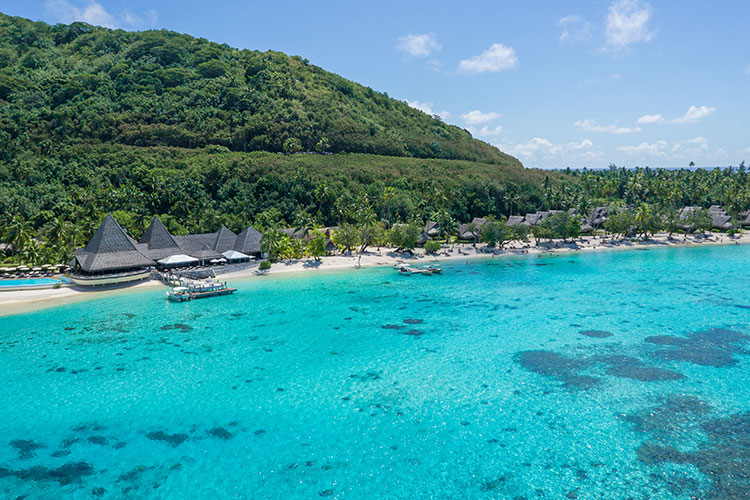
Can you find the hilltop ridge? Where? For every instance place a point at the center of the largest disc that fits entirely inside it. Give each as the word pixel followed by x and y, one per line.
pixel 79 83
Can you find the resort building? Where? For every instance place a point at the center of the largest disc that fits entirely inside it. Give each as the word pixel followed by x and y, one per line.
pixel 114 257
pixel 110 257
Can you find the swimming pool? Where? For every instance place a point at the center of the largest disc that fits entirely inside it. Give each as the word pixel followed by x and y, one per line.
pixel 26 283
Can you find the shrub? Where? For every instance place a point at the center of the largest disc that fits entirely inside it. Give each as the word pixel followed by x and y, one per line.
pixel 432 246
pixel 265 265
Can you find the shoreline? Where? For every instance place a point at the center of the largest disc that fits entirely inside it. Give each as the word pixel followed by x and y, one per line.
pixel 25 301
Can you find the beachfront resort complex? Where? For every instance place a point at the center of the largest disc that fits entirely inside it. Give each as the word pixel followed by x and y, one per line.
pixel 480 250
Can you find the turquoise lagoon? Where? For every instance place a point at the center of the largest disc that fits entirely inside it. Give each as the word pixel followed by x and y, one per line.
pixel 604 375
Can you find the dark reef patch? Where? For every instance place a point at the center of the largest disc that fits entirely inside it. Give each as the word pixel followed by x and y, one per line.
pixel 569 370
pixel 633 368
pixel 221 433
pixel 414 332
pixel 69 473
pixel 26 448
pixel 722 454
pixel 596 334
pixel 715 347
pixel 393 327
pixel 413 321
pixel 365 377
pixel 171 439
pixel 177 326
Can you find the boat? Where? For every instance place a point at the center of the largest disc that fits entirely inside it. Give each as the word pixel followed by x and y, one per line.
pixel 178 294
pixel 408 271
pixel 434 269
pixel 198 290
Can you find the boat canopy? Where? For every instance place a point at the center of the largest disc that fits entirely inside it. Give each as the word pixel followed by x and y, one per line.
pixel 235 255
pixel 174 260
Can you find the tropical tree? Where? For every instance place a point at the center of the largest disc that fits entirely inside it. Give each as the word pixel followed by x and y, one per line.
pixel 494 232
pixel 404 236
pixel 445 223
pixel 346 237
pixel 316 247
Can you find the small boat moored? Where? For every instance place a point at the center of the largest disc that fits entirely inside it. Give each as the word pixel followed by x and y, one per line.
pixel 193 289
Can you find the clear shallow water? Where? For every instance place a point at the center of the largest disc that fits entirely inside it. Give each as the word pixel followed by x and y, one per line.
pixel 474 384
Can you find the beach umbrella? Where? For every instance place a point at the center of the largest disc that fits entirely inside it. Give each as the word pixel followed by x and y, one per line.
pixel 37 269
pixel 22 268
pixel 46 266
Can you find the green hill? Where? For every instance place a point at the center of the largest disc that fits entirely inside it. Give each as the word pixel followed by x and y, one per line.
pixel 80 83
pixel 94 120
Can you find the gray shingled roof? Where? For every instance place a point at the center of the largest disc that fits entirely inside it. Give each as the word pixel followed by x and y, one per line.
pixel 156 243
pixel 195 242
pixel 515 220
pixel 224 240
pixel 248 241
pixel 206 253
pixel 110 249
pixel 157 236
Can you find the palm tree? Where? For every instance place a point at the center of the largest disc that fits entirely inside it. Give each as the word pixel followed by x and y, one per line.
pixel 18 233
pixel 445 222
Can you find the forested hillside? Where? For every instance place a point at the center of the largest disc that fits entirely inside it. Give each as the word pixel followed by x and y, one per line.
pixel 86 84
pixel 94 120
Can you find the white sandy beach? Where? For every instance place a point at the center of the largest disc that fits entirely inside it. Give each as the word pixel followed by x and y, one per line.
pixel 14 302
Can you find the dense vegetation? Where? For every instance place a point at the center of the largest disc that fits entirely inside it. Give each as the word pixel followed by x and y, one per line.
pixel 83 84
pixel 94 120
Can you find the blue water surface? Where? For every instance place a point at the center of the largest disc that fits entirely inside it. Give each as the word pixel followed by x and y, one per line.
pixel 28 282
pixel 604 375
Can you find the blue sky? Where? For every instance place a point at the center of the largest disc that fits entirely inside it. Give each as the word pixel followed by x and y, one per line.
pixel 557 84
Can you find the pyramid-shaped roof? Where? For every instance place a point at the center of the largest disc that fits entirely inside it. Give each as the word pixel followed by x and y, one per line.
pixel 248 241
pixel 110 249
pixel 157 236
pixel 224 240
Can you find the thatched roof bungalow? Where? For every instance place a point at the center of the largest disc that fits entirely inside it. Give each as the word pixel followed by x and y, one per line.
pixel 111 256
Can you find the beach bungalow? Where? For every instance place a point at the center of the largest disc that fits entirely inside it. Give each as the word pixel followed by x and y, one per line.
pixel 110 257
pixel 465 234
pixel 514 220
pixel 719 218
pixel 431 229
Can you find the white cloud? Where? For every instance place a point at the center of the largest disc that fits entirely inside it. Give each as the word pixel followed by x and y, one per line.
pixel 746 150
pixel 697 140
pixel 539 152
pixel 627 23
pixel 497 58
pixel 615 77
pixel 419 45
pixel 91 12
pixel 680 153
pixel 477 117
pixel 486 131
pixel 694 114
pixel 650 119
pixel 747 69
pixel 574 28
pixel 658 148
pixel 590 125
pixel 426 107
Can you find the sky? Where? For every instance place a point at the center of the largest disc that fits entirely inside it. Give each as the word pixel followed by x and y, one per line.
pixel 556 84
